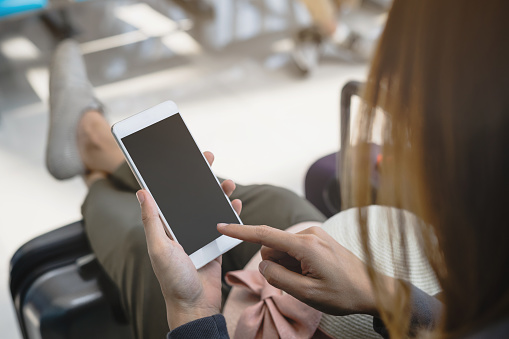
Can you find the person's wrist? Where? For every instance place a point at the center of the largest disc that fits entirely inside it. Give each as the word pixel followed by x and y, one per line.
pixel 369 304
pixel 361 301
pixel 179 315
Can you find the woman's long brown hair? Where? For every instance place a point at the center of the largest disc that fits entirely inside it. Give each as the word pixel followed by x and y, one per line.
pixel 441 75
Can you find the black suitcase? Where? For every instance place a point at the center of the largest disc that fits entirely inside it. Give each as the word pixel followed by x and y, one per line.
pixel 60 291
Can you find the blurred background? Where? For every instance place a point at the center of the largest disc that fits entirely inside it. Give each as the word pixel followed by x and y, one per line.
pixel 258 82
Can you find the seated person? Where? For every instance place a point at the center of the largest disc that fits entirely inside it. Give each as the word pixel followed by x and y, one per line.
pixel 80 143
pixel 434 72
pixel 441 75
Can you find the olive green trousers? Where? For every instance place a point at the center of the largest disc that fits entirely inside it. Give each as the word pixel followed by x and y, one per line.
pixel 115 231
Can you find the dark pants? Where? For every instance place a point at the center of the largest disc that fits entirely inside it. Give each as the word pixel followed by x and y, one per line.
pixel 115 230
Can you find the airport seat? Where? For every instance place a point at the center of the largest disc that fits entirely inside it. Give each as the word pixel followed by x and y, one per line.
pixel 12 7
pixel 53 13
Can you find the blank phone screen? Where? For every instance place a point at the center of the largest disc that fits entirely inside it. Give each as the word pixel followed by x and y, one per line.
pixel 180 181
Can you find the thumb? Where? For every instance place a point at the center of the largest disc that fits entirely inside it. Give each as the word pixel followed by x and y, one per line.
pixel 280 277
pixel 154 228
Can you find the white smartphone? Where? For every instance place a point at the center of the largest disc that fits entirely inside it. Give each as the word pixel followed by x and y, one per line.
pixel 168 163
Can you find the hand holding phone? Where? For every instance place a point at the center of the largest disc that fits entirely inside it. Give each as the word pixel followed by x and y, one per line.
pixel 170 166
pixel 191 294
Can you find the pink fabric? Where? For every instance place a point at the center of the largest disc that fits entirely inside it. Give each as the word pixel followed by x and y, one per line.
pixel 275 314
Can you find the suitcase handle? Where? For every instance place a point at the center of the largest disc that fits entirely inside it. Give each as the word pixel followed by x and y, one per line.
pixel 350 89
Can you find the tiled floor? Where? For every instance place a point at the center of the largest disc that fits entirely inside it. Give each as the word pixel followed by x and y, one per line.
pixel 231 76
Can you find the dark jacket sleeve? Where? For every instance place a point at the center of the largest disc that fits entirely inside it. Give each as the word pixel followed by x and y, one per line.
pixel 209 327
pixel 426 311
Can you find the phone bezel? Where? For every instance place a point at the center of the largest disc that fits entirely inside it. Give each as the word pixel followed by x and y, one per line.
pixel 149 117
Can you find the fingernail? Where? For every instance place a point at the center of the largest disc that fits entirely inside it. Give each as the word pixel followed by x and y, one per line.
pixel 262 266
pixel 140 196
pixel 221 225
